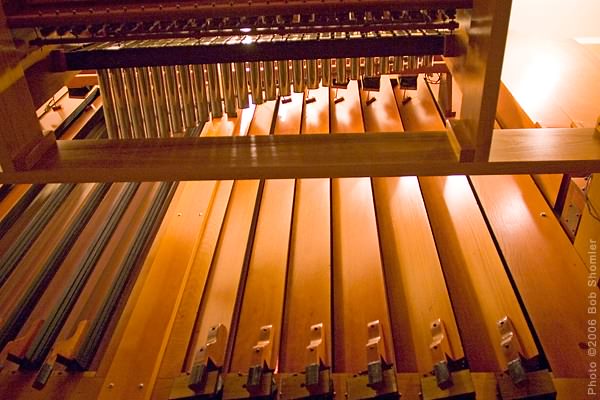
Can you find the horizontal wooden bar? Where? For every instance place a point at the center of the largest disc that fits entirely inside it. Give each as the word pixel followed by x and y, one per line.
pixel 310 156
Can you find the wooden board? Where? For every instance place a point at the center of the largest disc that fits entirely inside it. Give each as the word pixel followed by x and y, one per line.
pixel 417 291
pixel 179 342
pixel 480 290
pixel 510 115
pixel 539 255
pixel 264 291
pixel 358 283
pixel 219 297
pixel 308 289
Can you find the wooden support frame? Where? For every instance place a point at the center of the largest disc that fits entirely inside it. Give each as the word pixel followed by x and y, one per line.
pixel 471 146
pixel 513 151
pixel 478 71
pixel 22 142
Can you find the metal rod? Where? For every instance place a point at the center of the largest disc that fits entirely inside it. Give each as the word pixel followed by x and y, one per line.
pixel 200 94
pixel 326 71
pixel 312 74
pixel 108 104
pixel 284 78
pixel 384 65
pixel 160 100
pixel 214 91
pixel 228 89
pixel 341 77
pixel 298 74
pixel 145 91
pixel 270 84
pixel 241 85
pixel 256 83
pixel 173 99
pixel 187 97
pixel 370 66
pixel 355 68
pixel 118 90
pixel 397 67
pixel 133 101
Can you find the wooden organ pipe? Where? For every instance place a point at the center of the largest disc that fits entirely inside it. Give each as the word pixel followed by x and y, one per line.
pixel 356 256
pixel 269 254
pixel 475 260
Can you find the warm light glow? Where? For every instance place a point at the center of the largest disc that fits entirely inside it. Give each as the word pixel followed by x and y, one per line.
pixel 454 188
pixel 247 40
pixel 588 40
pixel 245 30
pixel 535 79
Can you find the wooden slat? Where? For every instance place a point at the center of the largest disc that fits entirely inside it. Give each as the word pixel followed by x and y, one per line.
pixel 219 297
pixel 308 291
pixel 263 295
pixel 416 288
pixel 480 290
pixel 510 115
pixel 177 348
pixel 358 284
pixel 143 342
pixel 540 255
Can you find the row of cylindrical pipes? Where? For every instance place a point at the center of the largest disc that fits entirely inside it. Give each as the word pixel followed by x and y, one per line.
pixel 150 102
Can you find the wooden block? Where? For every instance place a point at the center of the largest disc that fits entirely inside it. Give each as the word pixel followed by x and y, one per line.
pixel 462 387
pixel 293 387
pixel 358 387
pixel 538 386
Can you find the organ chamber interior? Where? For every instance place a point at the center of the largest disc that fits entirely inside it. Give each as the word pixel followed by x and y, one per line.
pixel 286 199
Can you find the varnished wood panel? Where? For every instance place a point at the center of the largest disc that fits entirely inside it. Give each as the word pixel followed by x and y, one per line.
pixel 308 289
pixel 539 255
pixel 264 291
pixel 142 344
pixel 416 288
pixel 358 283
pixel 182 341
pixel 479 288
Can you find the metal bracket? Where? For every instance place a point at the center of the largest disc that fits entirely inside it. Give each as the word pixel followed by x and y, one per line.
pixel 511 348
pixel 259 381
pixel 447 381
pixel 261 356
pixel 62 352
pixel 316 356
pixel 380 378
pixel 208 363
pixel 316 380
pixel 440 350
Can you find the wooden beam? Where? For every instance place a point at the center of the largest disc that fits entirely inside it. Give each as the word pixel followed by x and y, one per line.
pixel 478 70
pixel 21 140
pixel 514 151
